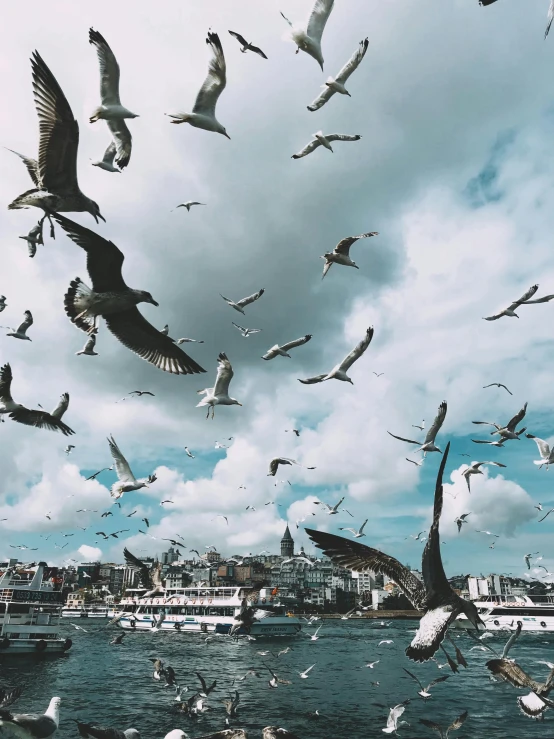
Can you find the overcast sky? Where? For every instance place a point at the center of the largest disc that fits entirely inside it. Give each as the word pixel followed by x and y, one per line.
pixel 453 170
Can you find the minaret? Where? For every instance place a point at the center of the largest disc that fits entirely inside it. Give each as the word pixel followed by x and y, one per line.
pixel 287 544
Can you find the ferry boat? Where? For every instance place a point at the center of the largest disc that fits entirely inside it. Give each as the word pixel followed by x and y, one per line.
pixel 85 612
pixel 501 612
pixel 207 610
pixel 127 604
pixel 30 615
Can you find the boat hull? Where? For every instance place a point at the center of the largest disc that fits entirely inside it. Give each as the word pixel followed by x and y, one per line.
pixel 509 621
pixel 265 627
pixel 18 647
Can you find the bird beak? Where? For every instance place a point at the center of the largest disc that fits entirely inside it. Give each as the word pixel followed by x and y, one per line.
pixel 154 303
pixel 240 404
pixel 99 216
pixel 227 135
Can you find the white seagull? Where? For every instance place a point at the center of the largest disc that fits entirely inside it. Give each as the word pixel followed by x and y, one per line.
pixel 473 469
pixel 127 481
pixel 188 453
pixel 341 252
pixel 314 636
pixel 547 454
pixel 331 510
pixel 424 692
pixel 240 304
pixel 282 351
pixel 304 674
pixel 88 348
pixel 21 331
pixel 188 205
pixel 246 331
pixel 111 108
pixel 34 238
pixel 336 84
pixel 219 393
pixel 203 113
pixel 308 39
pixel 339 371
pixel 394 714
pixel 428 444
pixel 325 140
pixel 497 384
pixel 524 300
pixel 106 163
pixel 357 533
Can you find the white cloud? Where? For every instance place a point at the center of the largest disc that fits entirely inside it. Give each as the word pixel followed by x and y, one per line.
pixel 91 554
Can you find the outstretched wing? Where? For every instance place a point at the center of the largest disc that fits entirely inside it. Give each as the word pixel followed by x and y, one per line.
pixel 239 38
pixel 251 298
pixel 122 140
pixel 312 380
pixel 513 422
pixel 457 723
pixel 109 69
pixel 511 672
pixel 32 167
pixel 62 406
pixel 296 342
pixel 224 375
pixel 434 576
pixel 342 137
pixel 27 322
pixel 341 77
pixel 437 423
pixel 431 725
pixel 6 384
pixel 307 149
pixel 526 296
pixel 136 564
pixel 121 465
pixel 318 18
pixel 343 247
pixel 41 420
pixel 358 350
pixel 215 82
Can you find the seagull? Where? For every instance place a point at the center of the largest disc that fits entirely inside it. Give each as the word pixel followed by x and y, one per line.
pixel 421 428
pixel 231 705
pixel 203 113
pixel 527 558
pixel 149 577
pixel 219 393
pixel 206 690
pixel 415 538
pixel 473 469
pixel 508 431
pixel 535 703
pixel 220 515
pixel 308 39
pixel 186 341
pixel 274 465
pixel 296 432
pixel 106 163
pixel 488 533
pixel 339 371
pixel 3 303
pixel 31 725
pixel 428 444
pixel 490 443
pixel 304 675
pixel 95 474
pixel 127 482
pixel 314 636
pixel 454 726
pixel 461 519
pixel 434 596
pixel 247 46
pixel 417 462
pixel 498 384
pixel 188 453
pixel 282 351
pixel 240 304
pixel 394 714
pixel 371 665
pixel 331 510
pixel 21 331
pixel 424 692
pixel 188 205
pixel 549 512
pixel 54 174
pixel 357 533
pixel 69 448
pixel 34 238
pixel 325 140
pixel 341 253
pixel 524 300
pixel 385 641
pixel 111 108
pixel 246 331
pixel 547 454
pixel 509 644
pixel 117 304
pixel 336 84
pixel 86 731
pixel 38 418
pixel 88 348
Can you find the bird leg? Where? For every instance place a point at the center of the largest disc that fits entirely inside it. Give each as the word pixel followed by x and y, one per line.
pixel 208 413
pixel 52 232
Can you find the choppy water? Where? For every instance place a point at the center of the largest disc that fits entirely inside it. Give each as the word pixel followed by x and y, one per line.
pixel 113 685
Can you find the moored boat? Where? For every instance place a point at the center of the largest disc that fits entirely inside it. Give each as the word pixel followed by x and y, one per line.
pixel 501 612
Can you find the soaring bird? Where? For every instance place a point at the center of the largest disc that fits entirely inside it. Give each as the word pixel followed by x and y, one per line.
pixel 203 113
pixel 308 38
pixel 188 205
pixel 428 445
pixel 219 393
pixel 341 252
pixel 246 46
pixel 34 238
pixel 336 84
pixel 240 304
pixel 356 533
pixel 460 520
pixel 497 384
pixel 127 482
pixel 276 461
pixel 547 454
pixel 246 332
pixel 112 299
pixel 111 108
pixel 509 430
pixel 474 469
pixel 435 596
pixel 424 692
pixel 107 161
pixel 21 331
pixel 283 350
pixel 524 300
pixel 324 140
pixel 339 371
pixel 54 174
pixel 149 577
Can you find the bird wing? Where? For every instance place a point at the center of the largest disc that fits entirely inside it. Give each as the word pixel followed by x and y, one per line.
pixel 296 342
pixel 511 641
pixel 434 576
pixel 437 423
pixel 224 375
pixel 98 732
pixel 513 422
pixel 318 18
pixel 123 141
pixel 59 132
pixel 511 672
pixel 141 337
pixel 257 50
pixel 215 82
pixel 437 680
pixel 240 328
pixel 39 727
pixel 549 18
pixel 251 298
pixel 27 322
pixel 109 69
pixel 239 38
pixel 342 137
pixel 307 149
pixel 495 317
pixel 40 419
pixel 355 556
pixel 312 380
pixel 358 350
pixel 545 299
pixel 89 346
pixel 104 259
pixel 6 384
pixel 32 167
pixel 122 468
pixel 343 247
pixel 529 294
pixel 431 725
pixel 413 678
pixel 62 406
pixel 109 154
pixel 544 448
pixel 273 465
pixel 341 77
pixel 7 697
pixel 401 438
pixel 143 570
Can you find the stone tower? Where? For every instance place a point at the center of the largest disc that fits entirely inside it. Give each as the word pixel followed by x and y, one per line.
pixel 287 544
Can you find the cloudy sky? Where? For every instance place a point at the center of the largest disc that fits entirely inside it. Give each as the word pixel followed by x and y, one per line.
pixel 453 105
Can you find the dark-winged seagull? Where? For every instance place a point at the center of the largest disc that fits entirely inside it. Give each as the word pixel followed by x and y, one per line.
pixel 101 732
pixel 339 371
pixel 497 384
pixel 54 174
pixel 276 461
pixel 112 299
pixel 341 252
pixel 149 577
pixel 21 331
pixel 509 430
pixel 203 113
pixel 434 596
pixel 308 38
pixel 282 351
pixel 34 238
pixel 475 469
pixel 428 445
pixel 106 163
pixel 31 725
pixel 443 733
pixel 219 393
pixel 321 139
pixel 534 704
pixel 336 84
pixel 246 46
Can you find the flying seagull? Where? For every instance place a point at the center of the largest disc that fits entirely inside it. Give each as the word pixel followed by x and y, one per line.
pixel 428 445
pixel 434 596
pixel 490 443
pixel 331 509
pixel 219 393
pixel 321 139
pixel 247 46
pixel 341 252
pixel 3 303
pixel 112 299
pixel 393 723
pixel 246 332
pixel 339 371
pixel 508 431
pixel 524 300
pixel 149 577
pixel 34 238
pixel 21 331
pixel 111 108
pixel 308 38
pixel 54 174
pixel 106 163
pixel 474 469
pixel 274 465
pixel 240 304
pixel 498 384
pixel 203 113
pixel 337 83
pixel 424 692
pixel 528 557
pixel 188 205
pixel 127 482
pixel 88 348
pixel 454 726
pixel 31 725
pixel 357 533
pixel 547 454
pixel 460 520
pixel 38 418
pixel 536 702
pixel 549 18
pixel 282 351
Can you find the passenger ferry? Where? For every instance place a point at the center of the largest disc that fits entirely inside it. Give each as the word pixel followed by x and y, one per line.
pixel 85 612
pixel 127 604
pixel 30 615
pixel 501 612
pixel 208 610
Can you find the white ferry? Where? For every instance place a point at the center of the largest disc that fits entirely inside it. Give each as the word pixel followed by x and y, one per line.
pixel 127 604
pixel 85 612
pixel 30 615
pixel 501 612
pixel 207 610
